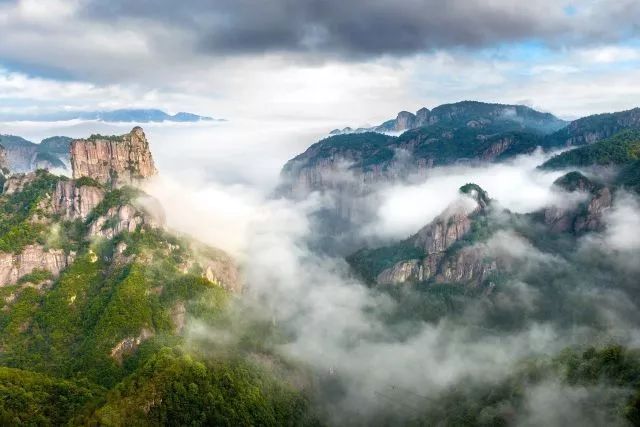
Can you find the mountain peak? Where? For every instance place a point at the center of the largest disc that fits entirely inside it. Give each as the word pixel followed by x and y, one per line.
pixel 113 160
pixel 123 115
pixel 463 112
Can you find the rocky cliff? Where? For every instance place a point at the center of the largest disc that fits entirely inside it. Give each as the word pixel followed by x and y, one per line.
pixel 31 258
pixel 434 240
pixel 442 251
pixel 72 200
pixel 20 157
pixel 585 216
pixel 15 183
pixel 4 165
pixel 118 219
pixel 67 216
pixel 25 156
pixel 113 161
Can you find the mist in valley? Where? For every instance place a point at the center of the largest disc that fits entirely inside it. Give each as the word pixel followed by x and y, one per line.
pixel 370 356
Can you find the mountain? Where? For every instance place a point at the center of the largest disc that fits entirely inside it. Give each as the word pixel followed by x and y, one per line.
pixel 113 160
pixel 590 129
pixel 462 133
pixel 108 317
pixel 122 115
pixel 98 297
pixel 56 144
pixel 452 249
pixel 466 132
pixel 24 156
pixel 619 149
pixel 20 153
pixel 441 252
pixel 463 112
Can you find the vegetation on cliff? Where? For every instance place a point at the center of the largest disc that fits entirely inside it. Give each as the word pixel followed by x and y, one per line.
pixel 106 342
pixel 619 149
pixel 17 228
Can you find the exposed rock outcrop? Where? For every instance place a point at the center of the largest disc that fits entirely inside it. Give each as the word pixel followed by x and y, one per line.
pixel 178 316
pixel 584 217
pixel 16 182
pixel 20 158
pixel 436 239
pixel 402 272
pixel 215 265
pixel 25 156
pixel 73 201
pixel 443 232
pixel 32 257
pixel 591 129
pixel 122 218
pixel 115 161
pixel 461 133
pixel 497 147
pixel 469 265
pixel 4 164
pixel 592 219
pixel 129 345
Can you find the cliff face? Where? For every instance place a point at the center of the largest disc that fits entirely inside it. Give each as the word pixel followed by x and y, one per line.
pixel 113 161
pixel 4 165
pixel 402 272
pixel 72 201
pixel 20 153
pixel 587 216
pixel 122 218
pixel 98 210
pixel 439 262
pixel 443 232
pixel 215 265
pixel 470 265
pixel 16 182
pixel 21 158
pixel 32 257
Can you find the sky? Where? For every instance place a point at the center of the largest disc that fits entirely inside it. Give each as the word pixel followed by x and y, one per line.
pixel 350 62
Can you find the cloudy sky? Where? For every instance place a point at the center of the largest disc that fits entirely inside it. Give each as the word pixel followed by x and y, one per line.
pixel 355 61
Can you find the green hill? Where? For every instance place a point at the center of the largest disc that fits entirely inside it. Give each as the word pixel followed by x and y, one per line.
pixel 619 149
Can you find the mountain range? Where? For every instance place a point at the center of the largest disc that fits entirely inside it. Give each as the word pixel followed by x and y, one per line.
pixel 109 317
pixel 22 155
pixel 467 132
pixel 122 115
pixel 470 110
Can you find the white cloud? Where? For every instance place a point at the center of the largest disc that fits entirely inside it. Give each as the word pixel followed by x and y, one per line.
pixel 623 223
pixel 517 185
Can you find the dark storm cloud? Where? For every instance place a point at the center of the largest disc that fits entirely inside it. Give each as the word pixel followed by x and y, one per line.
pixel 372 27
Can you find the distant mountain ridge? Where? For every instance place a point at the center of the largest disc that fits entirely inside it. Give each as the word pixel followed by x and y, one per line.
pixel 461 111
pixel 465 132
pixel 23 156
pixel 462 133
pixel 122 115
